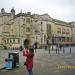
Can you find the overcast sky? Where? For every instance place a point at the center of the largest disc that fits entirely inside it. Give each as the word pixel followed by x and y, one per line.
pixel 59 9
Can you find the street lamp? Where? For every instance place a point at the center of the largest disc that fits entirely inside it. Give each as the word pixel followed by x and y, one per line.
pixel 53 40
pixel 41 34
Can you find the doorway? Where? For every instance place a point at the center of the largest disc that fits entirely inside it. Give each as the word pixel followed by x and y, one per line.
pixel 26 43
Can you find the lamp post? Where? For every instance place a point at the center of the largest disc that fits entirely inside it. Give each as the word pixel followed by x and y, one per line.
pixel 53 40
pixel 48 44
pixel 41 35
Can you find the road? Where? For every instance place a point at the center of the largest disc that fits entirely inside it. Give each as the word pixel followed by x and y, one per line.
pixel 44 63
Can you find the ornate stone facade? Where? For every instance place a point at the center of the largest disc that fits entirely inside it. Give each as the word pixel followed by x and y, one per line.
pixel 41 29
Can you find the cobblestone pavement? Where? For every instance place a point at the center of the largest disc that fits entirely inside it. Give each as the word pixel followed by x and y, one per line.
pixel 44 64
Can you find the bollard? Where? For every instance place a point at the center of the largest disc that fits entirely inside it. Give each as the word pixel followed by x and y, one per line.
pixel 56 50
pixel 52 47
pixel 49 50
pixel 63 50
pixel 60 48
pixel 70 50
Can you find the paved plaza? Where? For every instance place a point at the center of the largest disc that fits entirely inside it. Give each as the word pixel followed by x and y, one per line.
pixel 44 63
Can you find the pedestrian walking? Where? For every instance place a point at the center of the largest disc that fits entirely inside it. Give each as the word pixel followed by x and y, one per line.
pixel 21 48
pixel 29 54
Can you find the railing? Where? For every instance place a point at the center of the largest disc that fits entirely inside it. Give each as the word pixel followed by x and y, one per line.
pixel 65 43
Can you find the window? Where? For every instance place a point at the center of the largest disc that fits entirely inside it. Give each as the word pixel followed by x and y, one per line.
pixel 27 20
pixel 48 29
pixel 37 32
pixel 13 40
pixel 10 41
pixel 18 41
pixel 5 28
pixel 24 19
pixel 58 30
pixel 63 31
pixel 28 29
pixel 67 32
pixel 67 38
pixel 44 37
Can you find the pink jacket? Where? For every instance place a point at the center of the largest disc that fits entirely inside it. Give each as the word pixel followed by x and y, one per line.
pixel 29 58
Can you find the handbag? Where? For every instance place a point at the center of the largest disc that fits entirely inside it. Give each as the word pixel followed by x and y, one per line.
pixel 25 63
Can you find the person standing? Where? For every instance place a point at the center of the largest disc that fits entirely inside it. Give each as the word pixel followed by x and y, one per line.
pixel 21 48
pixel 29 54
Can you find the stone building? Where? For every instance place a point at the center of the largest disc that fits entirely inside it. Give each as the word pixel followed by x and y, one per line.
pixel 15 29
pixel 62 33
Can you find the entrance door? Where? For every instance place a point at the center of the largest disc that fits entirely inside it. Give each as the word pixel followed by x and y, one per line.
pixel 26 43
